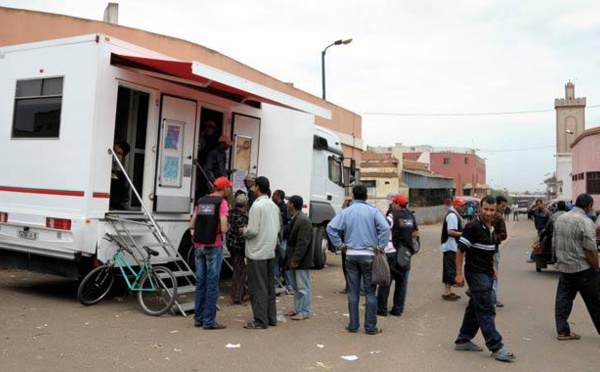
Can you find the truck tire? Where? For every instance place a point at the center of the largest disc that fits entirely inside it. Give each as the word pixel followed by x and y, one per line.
pixel 320 247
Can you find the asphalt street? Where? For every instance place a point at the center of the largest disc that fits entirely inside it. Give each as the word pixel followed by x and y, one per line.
pixel 44 328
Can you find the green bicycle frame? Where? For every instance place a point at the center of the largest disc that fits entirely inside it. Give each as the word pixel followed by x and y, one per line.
pixel 127 270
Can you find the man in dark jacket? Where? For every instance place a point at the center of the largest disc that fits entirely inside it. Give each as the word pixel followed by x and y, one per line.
pixel 299 258
pixel 216 161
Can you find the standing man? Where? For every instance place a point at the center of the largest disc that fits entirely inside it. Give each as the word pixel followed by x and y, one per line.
pixel 540 215
pixel 261 240
pixel 476 247
pixel 451 232
pixel 119 187
pixel 300 253
pixel 216 161
pixel 364 228
pixel 404 229
pixel 279 263
pixel 501 235
pixel 208 224
pixel 577 260
pixel 249 183
pixel 238 217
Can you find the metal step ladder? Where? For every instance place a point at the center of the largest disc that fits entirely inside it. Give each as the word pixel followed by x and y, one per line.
pixel 131 231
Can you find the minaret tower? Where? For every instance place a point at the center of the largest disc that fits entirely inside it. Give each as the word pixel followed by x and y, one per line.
pixel 570 123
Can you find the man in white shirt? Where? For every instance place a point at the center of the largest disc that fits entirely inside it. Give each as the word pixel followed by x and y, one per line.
pixel 261 239
pixel 451 232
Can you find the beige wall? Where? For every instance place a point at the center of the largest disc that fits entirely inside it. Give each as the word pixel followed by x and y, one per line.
pixel 22 26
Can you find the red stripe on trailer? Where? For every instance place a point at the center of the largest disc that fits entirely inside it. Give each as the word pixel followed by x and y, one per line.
pixel 26 190
pixel 101 195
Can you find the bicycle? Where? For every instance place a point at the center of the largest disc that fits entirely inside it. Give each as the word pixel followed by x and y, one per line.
pixel 156 285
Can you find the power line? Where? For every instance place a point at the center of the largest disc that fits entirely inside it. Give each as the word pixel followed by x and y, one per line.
pixel 499 113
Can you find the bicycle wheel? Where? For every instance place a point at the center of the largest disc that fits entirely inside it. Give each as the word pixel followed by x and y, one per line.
pixel 96 285
pixel 158 290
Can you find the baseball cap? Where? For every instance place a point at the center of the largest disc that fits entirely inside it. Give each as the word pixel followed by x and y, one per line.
pixel 400 199
pixel 250 177
pixel 225 139
pixel 459 202
pixel 221 183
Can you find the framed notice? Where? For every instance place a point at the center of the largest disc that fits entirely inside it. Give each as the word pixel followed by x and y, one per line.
pixel 171 153
pixel 242 153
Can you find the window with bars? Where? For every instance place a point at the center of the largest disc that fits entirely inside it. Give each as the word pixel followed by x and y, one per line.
pixel 592 182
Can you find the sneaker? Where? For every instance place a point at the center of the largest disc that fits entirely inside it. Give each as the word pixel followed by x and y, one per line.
pixel 299 317
pixel 215 326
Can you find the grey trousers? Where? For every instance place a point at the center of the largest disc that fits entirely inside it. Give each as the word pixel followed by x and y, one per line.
pixel 261 287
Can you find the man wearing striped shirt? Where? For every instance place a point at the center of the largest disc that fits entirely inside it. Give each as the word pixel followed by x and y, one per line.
pixel 577 260
pixel 476 248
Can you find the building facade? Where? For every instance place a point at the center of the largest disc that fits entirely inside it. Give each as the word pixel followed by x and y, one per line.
pixel 585 176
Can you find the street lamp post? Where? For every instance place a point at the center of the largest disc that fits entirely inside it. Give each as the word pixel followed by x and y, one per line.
pixel 337 42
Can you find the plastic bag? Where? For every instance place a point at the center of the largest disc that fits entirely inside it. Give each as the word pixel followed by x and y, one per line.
pixel 381 270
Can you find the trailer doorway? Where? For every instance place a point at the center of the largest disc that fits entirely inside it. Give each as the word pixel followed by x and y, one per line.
pixel 131 123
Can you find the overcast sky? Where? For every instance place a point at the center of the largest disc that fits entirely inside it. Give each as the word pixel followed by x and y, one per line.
pixel 407 57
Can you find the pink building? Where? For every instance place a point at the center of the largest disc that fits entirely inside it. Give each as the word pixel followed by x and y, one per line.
pixel 585 174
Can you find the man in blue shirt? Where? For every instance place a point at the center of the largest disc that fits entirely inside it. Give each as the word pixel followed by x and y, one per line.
pixel 364 228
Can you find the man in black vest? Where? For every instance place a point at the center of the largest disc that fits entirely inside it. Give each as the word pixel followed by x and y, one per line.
pixel 208 224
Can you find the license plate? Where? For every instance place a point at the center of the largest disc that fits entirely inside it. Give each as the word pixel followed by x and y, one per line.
pixel 28 235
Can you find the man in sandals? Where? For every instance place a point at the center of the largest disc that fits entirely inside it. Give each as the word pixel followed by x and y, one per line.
pixel 451 231
pixel 574 241
pixel 476 248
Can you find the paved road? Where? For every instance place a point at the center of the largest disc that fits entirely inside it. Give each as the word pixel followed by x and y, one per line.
pixel 43 327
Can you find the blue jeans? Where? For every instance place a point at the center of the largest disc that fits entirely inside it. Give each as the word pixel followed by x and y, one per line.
pixel 302 292
pixel 277 272
pixel 495 284
pixel 208 270
pixel 480 312
pixel 357 268
pixel 400 290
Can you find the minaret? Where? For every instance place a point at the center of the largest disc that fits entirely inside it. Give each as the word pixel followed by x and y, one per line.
pixel 570 123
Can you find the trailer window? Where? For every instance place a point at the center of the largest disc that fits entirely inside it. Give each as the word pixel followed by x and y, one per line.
pixel 335 170
pixel 37 108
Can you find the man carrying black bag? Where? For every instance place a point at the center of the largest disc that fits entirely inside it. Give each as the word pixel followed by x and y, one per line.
pixel 404 229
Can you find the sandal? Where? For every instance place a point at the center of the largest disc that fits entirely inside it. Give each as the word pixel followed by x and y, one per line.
pixel 569 337
pixel 504 355
pixel 468 346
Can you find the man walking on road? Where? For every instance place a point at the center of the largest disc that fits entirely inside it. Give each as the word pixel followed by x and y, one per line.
pixel 364 228
pixel 574 242
pixel 299 258
pixel 261 239
pixel 476 247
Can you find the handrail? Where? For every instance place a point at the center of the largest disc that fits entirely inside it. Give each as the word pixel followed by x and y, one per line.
pixel 137 195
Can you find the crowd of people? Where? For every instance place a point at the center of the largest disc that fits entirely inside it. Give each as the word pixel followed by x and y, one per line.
pixel 271 243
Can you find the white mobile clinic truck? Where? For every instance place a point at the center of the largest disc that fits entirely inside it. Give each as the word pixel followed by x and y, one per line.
pixel 63 103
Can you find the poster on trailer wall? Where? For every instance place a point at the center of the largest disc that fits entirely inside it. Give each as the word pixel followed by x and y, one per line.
pixel 241 160
pixel 171 153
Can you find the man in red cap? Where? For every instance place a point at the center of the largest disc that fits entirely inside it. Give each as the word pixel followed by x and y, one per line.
pixel 216 161
pixel 451 232
pixel 207 226
pixel 404 229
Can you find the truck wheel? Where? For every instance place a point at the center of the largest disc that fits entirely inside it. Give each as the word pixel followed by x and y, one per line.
pixel 320 247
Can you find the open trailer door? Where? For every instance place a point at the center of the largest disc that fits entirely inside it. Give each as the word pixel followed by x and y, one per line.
pixel 175 156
